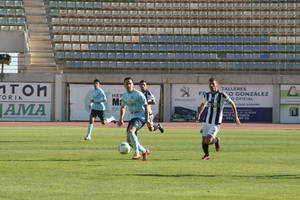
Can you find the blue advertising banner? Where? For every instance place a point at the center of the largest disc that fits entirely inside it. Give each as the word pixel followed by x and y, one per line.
pixel 249 114
pixel 254 102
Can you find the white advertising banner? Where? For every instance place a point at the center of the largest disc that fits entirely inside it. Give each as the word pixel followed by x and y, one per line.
pixel 290 94
pixel 254 102
pixel 290 104
pixel 80 99
pixel 25 101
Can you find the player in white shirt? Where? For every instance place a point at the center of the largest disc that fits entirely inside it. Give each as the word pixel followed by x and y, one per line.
pixel 212 119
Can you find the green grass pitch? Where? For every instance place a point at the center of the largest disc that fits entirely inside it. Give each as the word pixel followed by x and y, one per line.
pixel 41 163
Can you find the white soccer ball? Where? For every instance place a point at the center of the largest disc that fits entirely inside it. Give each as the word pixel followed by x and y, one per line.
pixel 124 148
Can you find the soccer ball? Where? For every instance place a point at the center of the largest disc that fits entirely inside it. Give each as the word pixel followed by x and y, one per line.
pixel 124 148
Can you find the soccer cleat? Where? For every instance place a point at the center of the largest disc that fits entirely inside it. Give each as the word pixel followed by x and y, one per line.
pixel 145 155
pixel 160 128
pixel 205 157
pixel 111 120
pixel 87 138
pixel 218 145
pixel 136 157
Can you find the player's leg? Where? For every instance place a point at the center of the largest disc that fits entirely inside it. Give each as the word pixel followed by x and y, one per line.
pixel 154 127
pixel 212 138
pixel 160 128
pixel 107 120
pixel 215 140
pixel 205 149
pixel 133 126
pixel 91 125
pixel 111 119
pixel 138 149
pixel 151 127
pixel 204 131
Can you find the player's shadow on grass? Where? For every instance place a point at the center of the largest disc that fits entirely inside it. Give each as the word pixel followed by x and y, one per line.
pixel 278 176
pixel 16 141
pixel 27 141
pixel 62 160
pixel 51 160
pixel 282 176
pixel 173 175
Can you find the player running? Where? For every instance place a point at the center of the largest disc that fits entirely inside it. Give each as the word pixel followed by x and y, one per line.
pixel 97 107
pixel 151 101
pixel 214 101
pixel 137 105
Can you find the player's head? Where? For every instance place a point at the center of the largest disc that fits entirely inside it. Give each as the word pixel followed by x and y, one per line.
pixel 213 85
pixel 96 83
pixel 143 85
pixel 128 84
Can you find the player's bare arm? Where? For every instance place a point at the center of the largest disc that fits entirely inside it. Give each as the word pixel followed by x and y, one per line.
pixel 235 114
pixel 122 114
pixel 201 109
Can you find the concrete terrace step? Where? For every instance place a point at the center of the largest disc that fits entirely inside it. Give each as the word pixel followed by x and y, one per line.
pixel 36 19
pixel 49 61
pixel 39 37
pixel 40 68
pixel 40 54
pixel 41 49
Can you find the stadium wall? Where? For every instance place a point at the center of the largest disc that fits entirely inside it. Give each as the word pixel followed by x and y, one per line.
pixel 12 41
pixel 60 87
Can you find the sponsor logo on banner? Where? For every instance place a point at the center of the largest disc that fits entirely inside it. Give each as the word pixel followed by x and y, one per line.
pixel 290 94
pixel 79 101
pixel 185 91
pixel 254 102
pixel 290 104
pixel 25 101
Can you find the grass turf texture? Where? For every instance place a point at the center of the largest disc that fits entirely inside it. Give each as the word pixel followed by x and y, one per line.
pixel 56 163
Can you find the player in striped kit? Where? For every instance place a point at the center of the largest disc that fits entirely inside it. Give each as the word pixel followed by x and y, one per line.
pixel 151 101
pixel 212 119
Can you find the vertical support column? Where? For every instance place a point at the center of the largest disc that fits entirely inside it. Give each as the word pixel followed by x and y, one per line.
pixel 276 103
pixel 58 98
pixel 167 102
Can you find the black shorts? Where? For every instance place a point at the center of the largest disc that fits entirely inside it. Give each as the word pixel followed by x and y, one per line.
pixel 97 113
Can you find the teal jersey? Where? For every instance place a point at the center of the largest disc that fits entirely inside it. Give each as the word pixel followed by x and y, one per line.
pixel 135 102
pixel 98 99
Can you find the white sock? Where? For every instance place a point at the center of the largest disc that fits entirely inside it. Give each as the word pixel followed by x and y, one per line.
pixel 90 128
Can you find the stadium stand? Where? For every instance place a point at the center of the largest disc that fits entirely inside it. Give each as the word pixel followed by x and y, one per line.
pixel 12 16
pixel 41 48
pixel 197 35
pixel 12 20
pixel 75 35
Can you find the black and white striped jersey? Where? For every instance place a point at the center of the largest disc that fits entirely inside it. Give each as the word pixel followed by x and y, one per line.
pixel 149 96
pixel 215 105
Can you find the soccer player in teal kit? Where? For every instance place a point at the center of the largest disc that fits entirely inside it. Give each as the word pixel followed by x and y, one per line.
pixel 137 105
pixel 97 107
